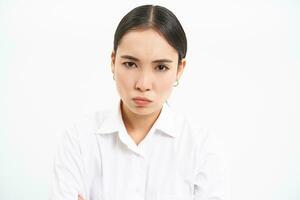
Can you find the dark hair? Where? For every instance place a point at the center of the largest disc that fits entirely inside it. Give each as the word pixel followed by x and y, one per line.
pixel 158 18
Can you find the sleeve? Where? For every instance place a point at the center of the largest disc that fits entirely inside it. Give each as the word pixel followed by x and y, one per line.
pixel 212 175
pixel 68 174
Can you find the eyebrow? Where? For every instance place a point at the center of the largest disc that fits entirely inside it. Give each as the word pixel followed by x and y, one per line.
pixel 136 59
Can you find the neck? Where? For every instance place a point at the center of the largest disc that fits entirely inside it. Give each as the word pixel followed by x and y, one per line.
pixel 138 124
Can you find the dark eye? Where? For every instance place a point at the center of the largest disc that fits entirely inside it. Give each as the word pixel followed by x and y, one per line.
pixel 162 68
pixel 128 64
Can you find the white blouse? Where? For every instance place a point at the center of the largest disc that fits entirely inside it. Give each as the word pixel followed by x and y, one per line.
pixel 175 161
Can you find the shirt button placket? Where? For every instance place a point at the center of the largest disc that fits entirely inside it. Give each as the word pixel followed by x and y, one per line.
pixel 140 177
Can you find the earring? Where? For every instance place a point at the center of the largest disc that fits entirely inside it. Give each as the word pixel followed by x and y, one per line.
pixel 114 77
pixel 176 83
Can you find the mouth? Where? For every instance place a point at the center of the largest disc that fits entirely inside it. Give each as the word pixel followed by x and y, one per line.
pixel 141 101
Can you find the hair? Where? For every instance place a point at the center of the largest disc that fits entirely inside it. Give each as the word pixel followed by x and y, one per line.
pixel 157 18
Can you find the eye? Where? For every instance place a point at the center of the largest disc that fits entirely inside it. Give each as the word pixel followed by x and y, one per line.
pixel 162 68
pixel 128 64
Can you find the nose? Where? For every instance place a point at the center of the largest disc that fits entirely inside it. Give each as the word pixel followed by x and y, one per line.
pixel 144 82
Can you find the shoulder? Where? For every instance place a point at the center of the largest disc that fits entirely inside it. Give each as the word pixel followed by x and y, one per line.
pixel 78 136
pixel 207 144
pixel 189 128
pixel 198 138
pixel 85 126
pixel 90 122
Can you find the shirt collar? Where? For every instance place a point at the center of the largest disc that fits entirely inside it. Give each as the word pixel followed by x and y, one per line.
pixel 113 121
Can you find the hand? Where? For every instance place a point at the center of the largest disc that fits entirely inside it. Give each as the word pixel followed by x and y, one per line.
pixel 80 197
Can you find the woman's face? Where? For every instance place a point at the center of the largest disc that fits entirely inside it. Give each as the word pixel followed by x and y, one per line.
pixel 145 65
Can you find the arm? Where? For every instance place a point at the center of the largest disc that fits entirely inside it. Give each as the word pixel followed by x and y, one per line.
pixel 67 180
pixel 211 181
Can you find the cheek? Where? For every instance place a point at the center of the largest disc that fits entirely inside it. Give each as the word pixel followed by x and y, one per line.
pixel 165 86
pixel 123 82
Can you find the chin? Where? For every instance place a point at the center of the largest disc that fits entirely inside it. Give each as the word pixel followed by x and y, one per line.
pixel 142 110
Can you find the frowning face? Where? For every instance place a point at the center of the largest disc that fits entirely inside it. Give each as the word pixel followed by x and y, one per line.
pixel 145 66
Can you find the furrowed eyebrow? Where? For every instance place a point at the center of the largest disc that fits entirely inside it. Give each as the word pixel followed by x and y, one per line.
pixel 136 59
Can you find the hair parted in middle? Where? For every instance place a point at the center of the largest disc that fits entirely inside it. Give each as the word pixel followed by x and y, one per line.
pixel 157 18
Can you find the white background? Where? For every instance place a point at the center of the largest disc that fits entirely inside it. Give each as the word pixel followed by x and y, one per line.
pixel 242 80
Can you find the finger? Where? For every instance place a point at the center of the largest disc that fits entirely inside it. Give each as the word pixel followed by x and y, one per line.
pixel 80 197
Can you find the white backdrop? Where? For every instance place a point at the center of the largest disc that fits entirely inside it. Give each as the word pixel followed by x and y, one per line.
pixel 242 80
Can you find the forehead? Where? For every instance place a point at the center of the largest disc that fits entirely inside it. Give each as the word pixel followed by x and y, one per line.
pixel 147 45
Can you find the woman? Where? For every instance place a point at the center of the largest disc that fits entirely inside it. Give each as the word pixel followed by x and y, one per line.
pixel 140 149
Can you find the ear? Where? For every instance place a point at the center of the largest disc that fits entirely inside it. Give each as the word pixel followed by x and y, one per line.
pixel 113 59
pixel 180 68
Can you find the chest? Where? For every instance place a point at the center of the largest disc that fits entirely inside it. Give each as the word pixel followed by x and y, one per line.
pixel 159 171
